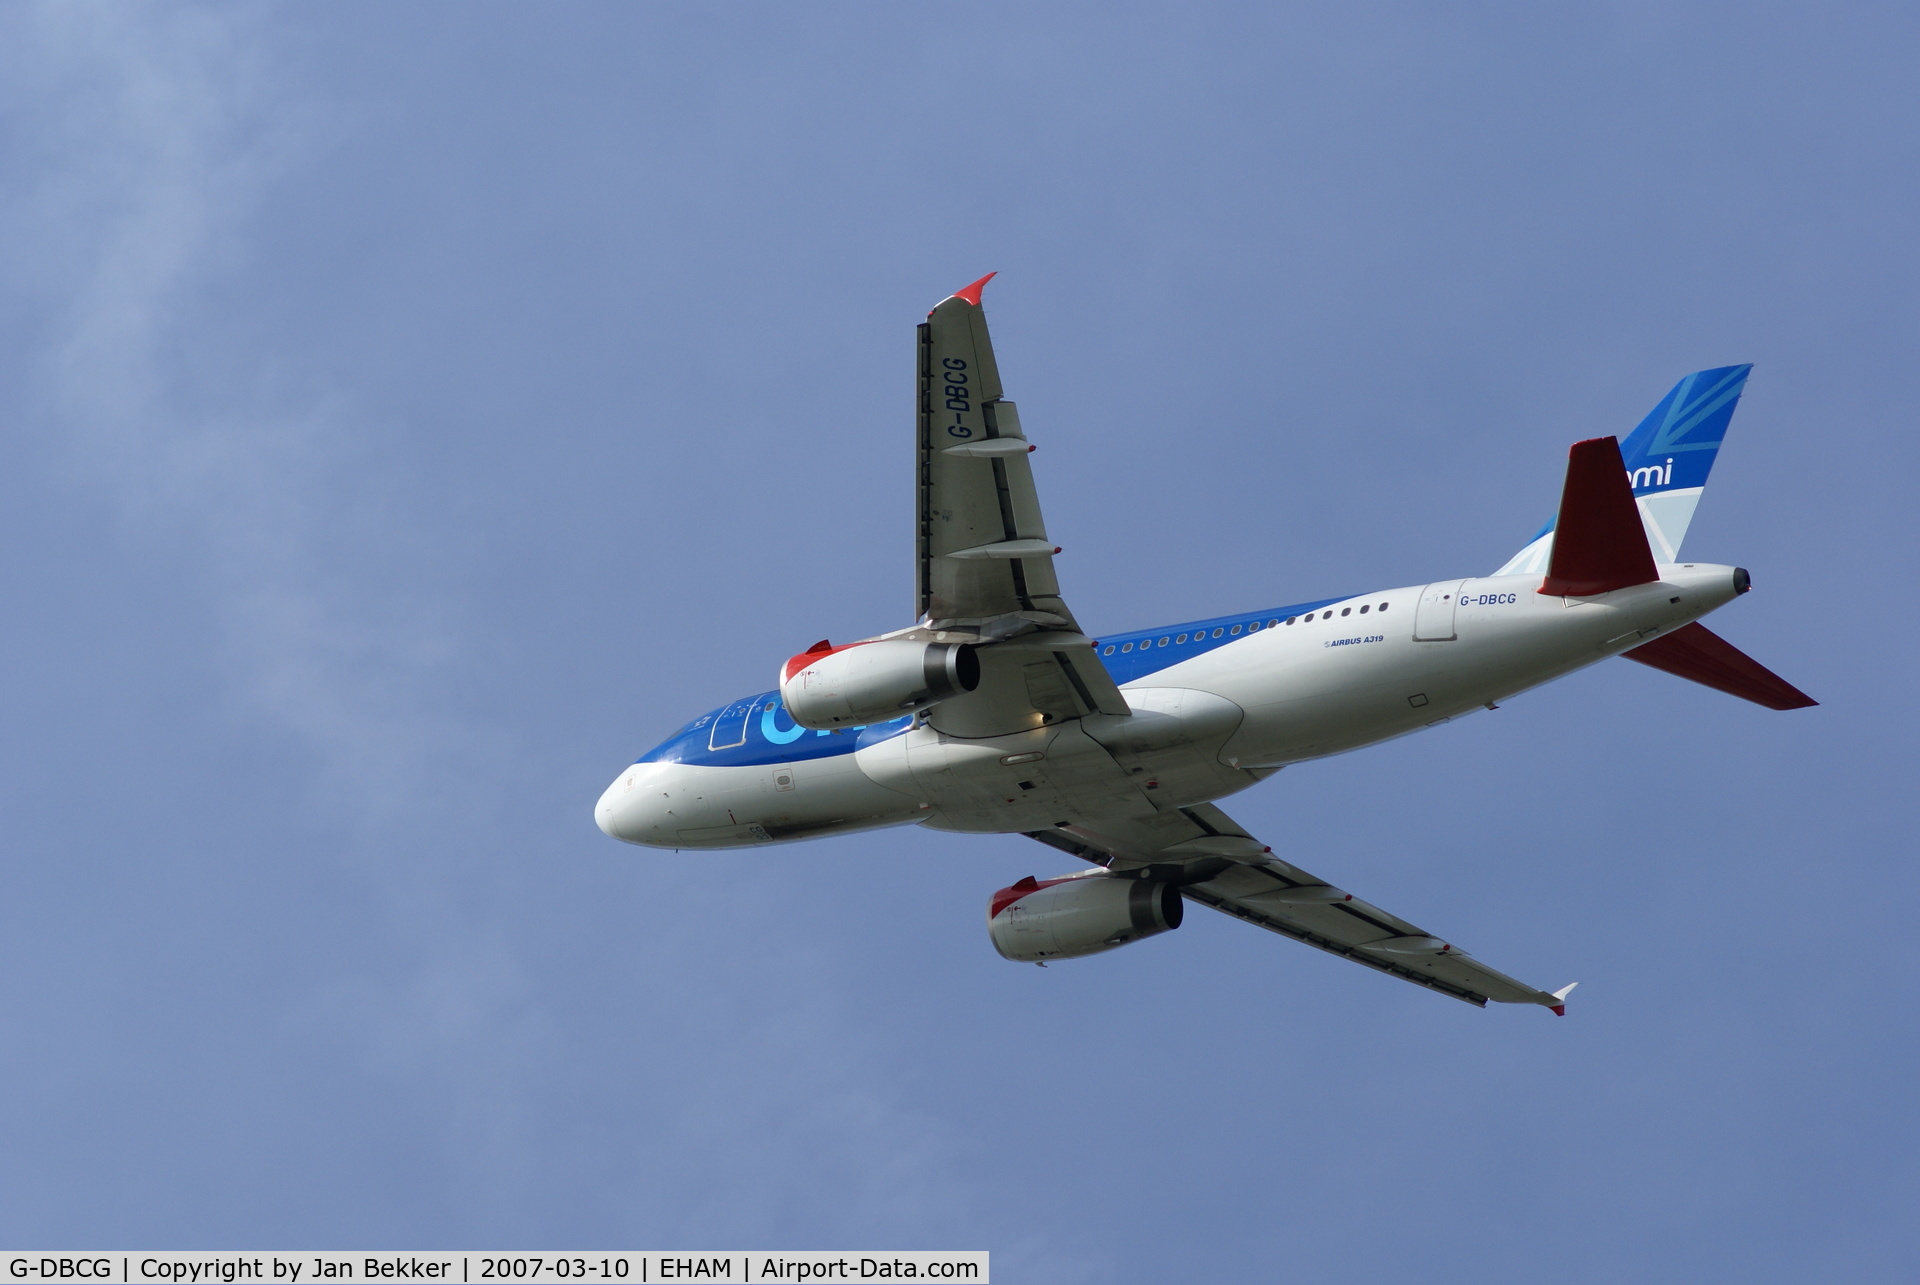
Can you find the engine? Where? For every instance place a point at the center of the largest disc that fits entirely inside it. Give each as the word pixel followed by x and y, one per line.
pixel 872 682
pixel 1036 920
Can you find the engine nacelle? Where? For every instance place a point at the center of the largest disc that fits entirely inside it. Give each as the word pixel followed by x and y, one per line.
pixel 1036 920
pixel 872 682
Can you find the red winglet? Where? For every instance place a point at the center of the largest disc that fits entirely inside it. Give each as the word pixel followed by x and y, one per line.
pixel 1695 651
pixel 1598 542
pixel 1558 1010
pixel 972 293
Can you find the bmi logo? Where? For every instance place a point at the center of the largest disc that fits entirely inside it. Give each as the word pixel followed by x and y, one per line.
pixel 1652 475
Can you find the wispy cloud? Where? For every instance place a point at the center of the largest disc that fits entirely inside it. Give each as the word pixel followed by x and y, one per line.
pixel 162 131
pixel 159 133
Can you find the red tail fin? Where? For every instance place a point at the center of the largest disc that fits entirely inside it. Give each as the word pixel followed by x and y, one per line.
pixel 1696 652
pixel 1598 542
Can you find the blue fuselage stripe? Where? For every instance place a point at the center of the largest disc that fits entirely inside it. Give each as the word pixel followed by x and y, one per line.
pixel 719 739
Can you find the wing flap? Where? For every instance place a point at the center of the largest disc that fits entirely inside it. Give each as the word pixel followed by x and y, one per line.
pixel 1091 683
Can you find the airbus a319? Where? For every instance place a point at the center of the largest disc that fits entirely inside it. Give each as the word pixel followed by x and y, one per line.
pixel 995 713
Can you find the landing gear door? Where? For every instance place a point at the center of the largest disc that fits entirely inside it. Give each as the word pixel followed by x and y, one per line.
pixel 1433 619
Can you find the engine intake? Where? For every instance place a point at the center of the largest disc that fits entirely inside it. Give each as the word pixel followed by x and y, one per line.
pixel 1037 920
pixel 872 682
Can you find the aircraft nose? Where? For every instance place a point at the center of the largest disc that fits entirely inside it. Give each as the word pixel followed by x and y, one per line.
pixel 622 812
pixel 603 815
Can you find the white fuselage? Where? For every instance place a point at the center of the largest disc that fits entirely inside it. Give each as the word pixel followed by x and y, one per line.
pixel 1332 680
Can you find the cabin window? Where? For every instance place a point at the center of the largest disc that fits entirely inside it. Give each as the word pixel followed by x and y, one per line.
pixel 1255 625
pixel 1107 650
pixel 1383 606
pixel 1127 647
pixel 1365 607
pixel 1235 629
pixel 1182 638
pixel 1218 632
pixel 1291 619
pixel 1163 642
pixel 1326 615
pixel 1346 611
pixel 1273 624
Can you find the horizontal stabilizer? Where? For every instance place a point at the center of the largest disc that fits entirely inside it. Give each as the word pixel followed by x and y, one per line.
pixel 1599 544
pixel 1696 652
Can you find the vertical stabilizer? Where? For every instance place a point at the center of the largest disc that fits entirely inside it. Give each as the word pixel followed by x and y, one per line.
pixel 1667 460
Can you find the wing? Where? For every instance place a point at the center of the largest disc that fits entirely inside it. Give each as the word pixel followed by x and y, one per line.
pixel 984 564
pixel 1217 864
pixel 983 548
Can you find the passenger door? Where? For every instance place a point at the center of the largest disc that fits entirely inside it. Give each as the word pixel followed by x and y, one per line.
pixel 1433 619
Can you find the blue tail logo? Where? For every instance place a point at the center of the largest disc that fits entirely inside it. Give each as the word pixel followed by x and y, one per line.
pixel 1667 458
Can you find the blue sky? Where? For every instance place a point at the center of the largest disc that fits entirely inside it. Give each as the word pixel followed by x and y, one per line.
pixel 413 413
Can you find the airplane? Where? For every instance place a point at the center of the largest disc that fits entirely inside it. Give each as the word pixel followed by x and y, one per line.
pixel 996 713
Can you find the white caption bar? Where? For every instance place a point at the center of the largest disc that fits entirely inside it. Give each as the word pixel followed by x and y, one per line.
pixel 634 1267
